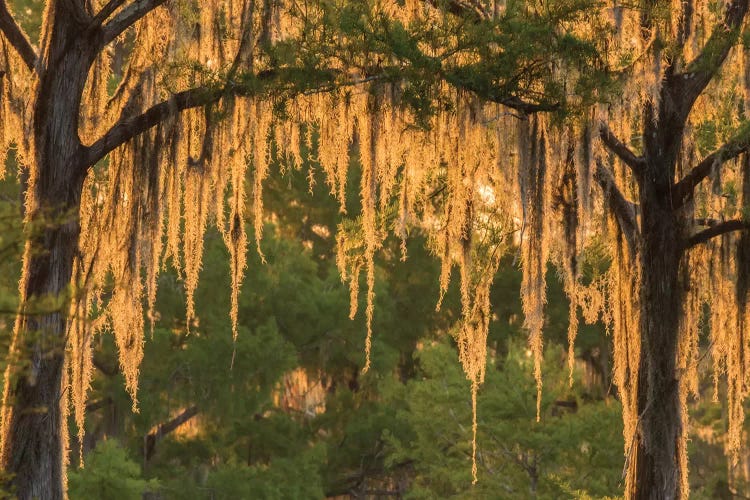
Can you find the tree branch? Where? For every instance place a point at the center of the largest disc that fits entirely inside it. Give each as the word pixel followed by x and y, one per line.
pixel 495 94
pixel 716 230
pixel 699 72
pixel 17 38
pixel 127 17
pixel 620 149
pixel 622 208
pixel 127 128
pixel 686 186
pixel 519 104
pixel 465 8
pixel 162 430
pixel 281 80
pixel 106 11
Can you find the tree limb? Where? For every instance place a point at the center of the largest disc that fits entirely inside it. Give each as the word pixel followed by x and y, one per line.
pixel 622 208
pixel 465 8
pixel 128 17
pixel 321 81
pixel 716 230
pixel 620 149
pixel 162 430
pixel 519 104
pixel 739 144
pixel 127 128
pixel 17 38
pixel 497 95
pixel 699 72
pixel 276 80
pixel 106 11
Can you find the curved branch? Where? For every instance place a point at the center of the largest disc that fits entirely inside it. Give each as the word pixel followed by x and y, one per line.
pixel 128 17
pixel 127 128
pixel 621 207
pixel 716 230
pixel 281 80
pixel 729 151
pixel 496 95
pixel 699 72
pixel 620 149
pixel 519 104
pixel 17 38
pixel 320 81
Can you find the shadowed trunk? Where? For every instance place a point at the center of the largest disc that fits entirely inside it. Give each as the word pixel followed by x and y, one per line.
pixel 655 453
pixel 32 446
pixel 32 451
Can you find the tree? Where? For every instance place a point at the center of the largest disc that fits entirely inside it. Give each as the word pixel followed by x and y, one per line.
pixel 674 245
pixel 121 180
pixel 111 473
pixel 678 248
pixel 430 97
pixel 573 453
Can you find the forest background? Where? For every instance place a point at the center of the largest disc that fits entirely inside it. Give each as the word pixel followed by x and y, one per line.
pixel 295 418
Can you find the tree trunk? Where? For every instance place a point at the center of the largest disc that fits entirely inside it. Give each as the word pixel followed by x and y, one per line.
pixel 32 440
pixel 655 468
pixel 32 448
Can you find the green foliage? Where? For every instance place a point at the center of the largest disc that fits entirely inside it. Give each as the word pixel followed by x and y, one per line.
pixel 513 55
pixel 576 446
pixel 293 313
pixel 29 15
pixel 109 473
pixel 294 477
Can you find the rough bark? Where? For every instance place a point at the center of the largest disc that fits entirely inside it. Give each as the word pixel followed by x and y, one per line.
pixel 32 451
pixel 655 453
pixel 655 467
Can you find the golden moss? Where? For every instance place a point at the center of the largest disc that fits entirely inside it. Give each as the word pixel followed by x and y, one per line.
pixel 478 181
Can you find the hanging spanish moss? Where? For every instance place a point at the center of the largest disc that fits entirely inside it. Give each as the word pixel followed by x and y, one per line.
pixel 534 188
pixel 479 180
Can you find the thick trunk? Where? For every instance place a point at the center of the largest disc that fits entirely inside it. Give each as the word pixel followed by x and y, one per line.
pixel 655 468
pixel 32 446
pixel 32 441
pixel 32 431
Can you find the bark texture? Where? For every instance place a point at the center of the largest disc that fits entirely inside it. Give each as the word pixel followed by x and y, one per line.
pixel 32 452
pixel 655 453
